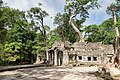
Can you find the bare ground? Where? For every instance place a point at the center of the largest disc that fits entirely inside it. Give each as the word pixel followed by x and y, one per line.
pixel 51 73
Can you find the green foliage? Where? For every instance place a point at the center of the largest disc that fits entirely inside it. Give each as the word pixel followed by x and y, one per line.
pixel 1 54
pixel 114 6
pixel 101 33
pixel 12 51
pixel 36 16
pixel 21 39
pixel 3 33
pixel 13 47
pixel 64 30
pixel 10 16
pixel 20 42
pixel 52 37
pixel 80 7
pixel 77 8
pixel 23 36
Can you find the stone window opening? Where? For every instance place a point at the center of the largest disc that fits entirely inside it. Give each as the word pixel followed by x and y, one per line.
pixel 110 60
pixel 71 57
pixel 89 58
pixel 94 58
pixel 80 57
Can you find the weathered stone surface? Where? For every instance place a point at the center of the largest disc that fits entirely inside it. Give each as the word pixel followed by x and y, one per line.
pixel 95 53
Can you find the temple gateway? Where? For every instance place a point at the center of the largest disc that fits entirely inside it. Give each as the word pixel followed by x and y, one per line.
pixel 79 53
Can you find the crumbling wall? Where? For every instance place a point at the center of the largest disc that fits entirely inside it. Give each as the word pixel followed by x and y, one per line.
pixel 92 53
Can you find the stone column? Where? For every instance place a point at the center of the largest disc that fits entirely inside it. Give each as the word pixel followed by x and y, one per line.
pixel 47 55
pixel 55 57
pixel 59 55
pixel 84 58
pixel 65 58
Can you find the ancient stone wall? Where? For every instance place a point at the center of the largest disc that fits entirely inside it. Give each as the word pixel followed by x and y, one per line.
pixel 96 53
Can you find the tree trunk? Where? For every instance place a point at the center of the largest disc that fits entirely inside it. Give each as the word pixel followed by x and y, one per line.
pixel 76 29
pixel 116 35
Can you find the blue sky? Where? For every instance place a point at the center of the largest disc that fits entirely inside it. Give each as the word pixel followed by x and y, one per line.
pixel 54 6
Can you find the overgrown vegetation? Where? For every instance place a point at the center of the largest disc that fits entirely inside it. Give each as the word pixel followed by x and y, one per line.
pixel 21 40
pixel 23 35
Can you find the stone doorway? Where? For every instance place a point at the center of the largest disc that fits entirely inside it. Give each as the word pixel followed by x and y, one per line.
pixel 60 58
pixel 55 57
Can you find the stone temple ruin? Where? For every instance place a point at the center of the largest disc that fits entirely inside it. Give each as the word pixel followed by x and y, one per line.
pixel 79 53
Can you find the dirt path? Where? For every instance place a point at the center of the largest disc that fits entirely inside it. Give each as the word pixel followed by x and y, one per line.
pixel 52 73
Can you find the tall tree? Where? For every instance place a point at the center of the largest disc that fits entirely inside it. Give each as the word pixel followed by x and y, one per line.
pixel 114 9
pixel 37 15
pixel 64 29
pixel 21 37
pixel 79 7
pixel 19 43
pixel 8 20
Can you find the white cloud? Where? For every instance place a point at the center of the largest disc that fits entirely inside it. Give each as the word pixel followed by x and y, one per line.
pixel 18 4
pixel 98 15
pixel 48 6
pixel 55 6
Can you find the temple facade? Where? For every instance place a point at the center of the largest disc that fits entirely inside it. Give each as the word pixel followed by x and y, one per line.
pixel 79 53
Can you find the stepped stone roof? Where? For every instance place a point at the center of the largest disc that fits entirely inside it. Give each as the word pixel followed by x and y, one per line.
pixel 61 45
pixel 79 44
pixel 96 47
pixel 108 47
